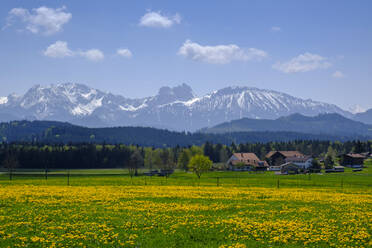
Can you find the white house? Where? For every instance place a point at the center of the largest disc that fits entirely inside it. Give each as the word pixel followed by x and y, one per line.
pixel 304 162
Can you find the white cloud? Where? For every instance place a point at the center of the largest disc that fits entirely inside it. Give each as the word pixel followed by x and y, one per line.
pixel 41 20
pixel 124 52
pixel 220 54
pixel 276 29
pixel 58 50
pixel 303 63
pixel 338 74
pixel 156 19
pixel 93 54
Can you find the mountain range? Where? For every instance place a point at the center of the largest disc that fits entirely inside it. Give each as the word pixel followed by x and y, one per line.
pixel 177 108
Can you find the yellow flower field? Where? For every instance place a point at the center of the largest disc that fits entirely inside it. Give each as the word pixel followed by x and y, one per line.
pixel 183 216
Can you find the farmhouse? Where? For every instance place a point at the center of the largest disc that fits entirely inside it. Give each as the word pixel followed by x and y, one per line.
pixel 277 158
pixel 246 162
pixel 352 160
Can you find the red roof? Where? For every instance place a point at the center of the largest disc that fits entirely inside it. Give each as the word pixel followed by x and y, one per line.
pixel 248 158
pixel 245 156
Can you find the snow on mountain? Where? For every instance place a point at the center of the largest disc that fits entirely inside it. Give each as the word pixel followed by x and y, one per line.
pixel 356 109
pixel 3 100
pixel 176 108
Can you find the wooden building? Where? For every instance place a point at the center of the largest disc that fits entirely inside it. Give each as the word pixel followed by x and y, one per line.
pixel 246 162
pixel 277 158
pixel 352 160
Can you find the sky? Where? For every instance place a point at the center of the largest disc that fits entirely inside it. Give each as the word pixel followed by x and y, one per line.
pixel 310 49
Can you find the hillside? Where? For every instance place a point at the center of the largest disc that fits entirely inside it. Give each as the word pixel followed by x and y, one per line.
pixel 330 124
pixel 365 117
pixel 59 132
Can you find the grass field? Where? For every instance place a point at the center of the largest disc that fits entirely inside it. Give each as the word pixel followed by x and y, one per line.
pixel 244 210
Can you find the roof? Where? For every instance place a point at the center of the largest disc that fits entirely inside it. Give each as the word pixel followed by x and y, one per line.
pixel 355 155
pixel 270 154
pixel 248 158
pixel 246 155
pixel 286 154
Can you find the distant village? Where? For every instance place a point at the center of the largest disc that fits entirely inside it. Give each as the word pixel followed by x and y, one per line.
pixel 294 162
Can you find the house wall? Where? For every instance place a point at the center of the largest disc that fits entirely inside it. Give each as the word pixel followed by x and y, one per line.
pixel 304 165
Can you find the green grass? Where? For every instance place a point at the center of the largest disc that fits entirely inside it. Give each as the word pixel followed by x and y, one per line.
pixel 98 177
pixel 106 208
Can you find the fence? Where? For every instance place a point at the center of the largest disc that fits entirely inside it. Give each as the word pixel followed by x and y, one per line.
pixel 219 179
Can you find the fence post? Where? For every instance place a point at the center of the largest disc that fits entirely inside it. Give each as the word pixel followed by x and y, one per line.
pixel 46 174
pixel 10 175
pixel 277 184
pixel 68 178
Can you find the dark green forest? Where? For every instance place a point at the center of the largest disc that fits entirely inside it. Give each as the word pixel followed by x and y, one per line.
pixel 85 155
pixel 51 132
pixel 57 145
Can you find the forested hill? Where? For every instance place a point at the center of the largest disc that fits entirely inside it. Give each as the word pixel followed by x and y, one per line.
pixel 60 132
pixel 330 124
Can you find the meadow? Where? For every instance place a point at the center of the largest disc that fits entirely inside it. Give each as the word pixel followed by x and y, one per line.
pixel 106 208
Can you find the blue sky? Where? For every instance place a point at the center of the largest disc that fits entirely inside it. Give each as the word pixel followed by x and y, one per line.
pixel 311 49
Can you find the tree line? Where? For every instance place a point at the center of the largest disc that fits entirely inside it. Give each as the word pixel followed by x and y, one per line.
pixel 58 132
pixel 87 155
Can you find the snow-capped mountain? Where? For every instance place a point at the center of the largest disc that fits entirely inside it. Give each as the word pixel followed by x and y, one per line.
pixel 176 108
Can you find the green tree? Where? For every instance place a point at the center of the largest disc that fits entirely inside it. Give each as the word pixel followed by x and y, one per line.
pixel 135 162
pixel 200 164
pixel 156 160
pixel 328 162
pixel 331 152
pixel 224 155
pixel 184 159
pixel 148 160
pixel 208 150
pixel 358 147
pixel 315 165
pixel 166 161
pixel 10 163
pixel 196 150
